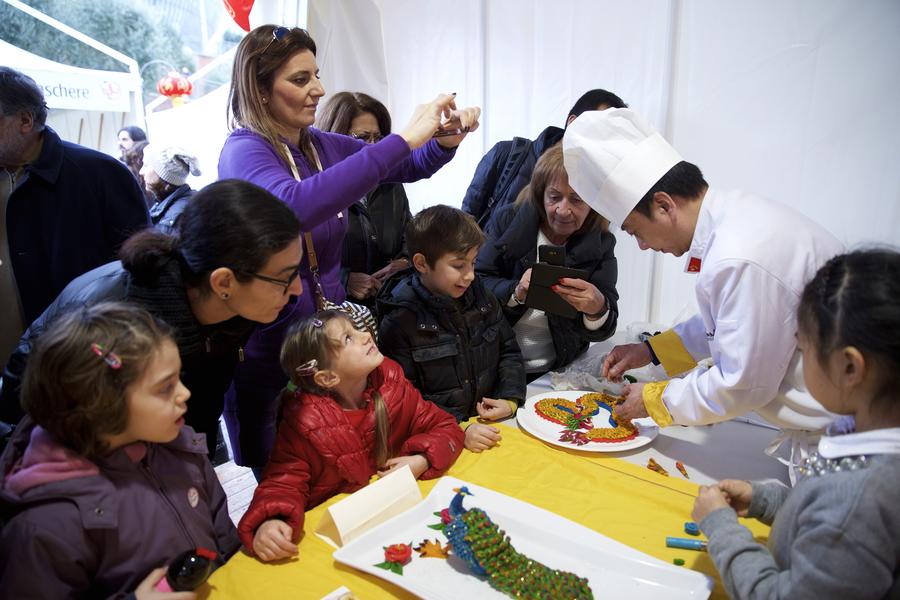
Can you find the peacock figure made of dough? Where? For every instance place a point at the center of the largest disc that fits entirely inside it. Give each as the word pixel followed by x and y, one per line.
pixel 488 551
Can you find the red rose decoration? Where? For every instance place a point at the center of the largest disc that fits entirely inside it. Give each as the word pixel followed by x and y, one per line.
pixel 445 516
pixel 398 553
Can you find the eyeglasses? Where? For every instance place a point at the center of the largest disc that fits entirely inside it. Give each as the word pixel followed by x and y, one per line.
pixel 285 283
pixel 277 35
pixel 370 137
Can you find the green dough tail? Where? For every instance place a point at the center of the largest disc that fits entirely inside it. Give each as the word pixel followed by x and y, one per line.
pixel 513 573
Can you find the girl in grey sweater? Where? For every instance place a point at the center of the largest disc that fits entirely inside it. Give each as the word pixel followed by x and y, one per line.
pixel 837 533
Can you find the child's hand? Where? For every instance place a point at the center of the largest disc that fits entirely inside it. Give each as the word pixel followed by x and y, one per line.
pixel 146 590
pixel 738 494
pixel 481 437
pixel 273 541
pixel 418 464
pixel 709 499
pixel 491 409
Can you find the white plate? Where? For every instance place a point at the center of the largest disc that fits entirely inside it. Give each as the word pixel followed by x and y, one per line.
pixel 613 570
pixel 549 431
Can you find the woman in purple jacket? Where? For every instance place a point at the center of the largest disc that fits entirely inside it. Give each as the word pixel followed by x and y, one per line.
pixel 275 89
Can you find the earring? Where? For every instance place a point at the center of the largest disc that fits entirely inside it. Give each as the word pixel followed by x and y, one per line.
pixel 225 295
pixel 265 100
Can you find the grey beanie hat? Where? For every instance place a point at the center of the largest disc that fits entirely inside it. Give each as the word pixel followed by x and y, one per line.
pixel 172 164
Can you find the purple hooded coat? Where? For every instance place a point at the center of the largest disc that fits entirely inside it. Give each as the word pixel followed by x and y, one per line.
pixel 99 535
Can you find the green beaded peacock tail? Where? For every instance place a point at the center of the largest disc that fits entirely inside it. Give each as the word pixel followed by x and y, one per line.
pixel 488 552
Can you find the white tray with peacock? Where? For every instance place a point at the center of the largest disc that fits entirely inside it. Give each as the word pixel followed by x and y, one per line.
pixel 612 569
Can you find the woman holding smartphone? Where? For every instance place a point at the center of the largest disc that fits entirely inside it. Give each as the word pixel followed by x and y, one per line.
pixel 548 212
pixel 275 91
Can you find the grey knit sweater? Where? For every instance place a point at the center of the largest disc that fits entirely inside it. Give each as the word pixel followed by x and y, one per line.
pixel 835 535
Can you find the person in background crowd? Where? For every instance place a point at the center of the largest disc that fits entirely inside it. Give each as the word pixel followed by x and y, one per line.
pixel 134 160
pixel 128 137
pixel 165 172
pixel 275 92
pixel 373 246
pixel 507 167
pixel 64 208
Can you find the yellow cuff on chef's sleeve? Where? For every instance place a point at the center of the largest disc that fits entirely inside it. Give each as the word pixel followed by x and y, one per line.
pixel 653 402
pixel 514 406
pixel 672 354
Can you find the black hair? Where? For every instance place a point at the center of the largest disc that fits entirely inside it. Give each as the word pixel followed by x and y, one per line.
pixel 684 179
pixel 853 301
pixel 441 229
pixel 135 133
pixel 230 223
pixel 591 99
pixel 20 93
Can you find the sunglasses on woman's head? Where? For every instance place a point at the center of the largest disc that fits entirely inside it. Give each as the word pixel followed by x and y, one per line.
pixel 277 35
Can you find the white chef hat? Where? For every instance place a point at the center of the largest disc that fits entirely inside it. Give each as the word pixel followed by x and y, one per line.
pixel 613 157
pixel 172 164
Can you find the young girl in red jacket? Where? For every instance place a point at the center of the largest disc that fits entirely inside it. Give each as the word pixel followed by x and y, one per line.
pixel 347 414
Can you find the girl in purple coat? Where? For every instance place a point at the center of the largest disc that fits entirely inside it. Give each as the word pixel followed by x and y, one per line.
pixel 103 484
pixel 275 89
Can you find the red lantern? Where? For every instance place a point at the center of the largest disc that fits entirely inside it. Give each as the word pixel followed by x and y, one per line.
pixel 174 85
pixel 240 12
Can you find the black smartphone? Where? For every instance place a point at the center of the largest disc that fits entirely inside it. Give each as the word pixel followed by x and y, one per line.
pixel 552 255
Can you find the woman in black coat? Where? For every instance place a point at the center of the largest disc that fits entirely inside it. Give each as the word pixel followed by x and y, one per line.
pixel 549 212
pixel 232 265
pixel 373 246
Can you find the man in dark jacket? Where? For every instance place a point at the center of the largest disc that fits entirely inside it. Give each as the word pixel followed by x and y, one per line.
pixel 507 167
pixel 65 209
pixel 447 331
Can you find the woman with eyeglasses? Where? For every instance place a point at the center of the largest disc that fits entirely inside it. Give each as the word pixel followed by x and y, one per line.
pixel 233 263
pixel 373 246
pixel 275 91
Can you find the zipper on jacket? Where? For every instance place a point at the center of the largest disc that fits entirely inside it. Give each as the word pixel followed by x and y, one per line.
pixel 240 354
pixel 162 492
pixel 208 346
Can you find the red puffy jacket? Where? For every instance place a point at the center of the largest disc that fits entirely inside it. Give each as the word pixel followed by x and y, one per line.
pixel 318 454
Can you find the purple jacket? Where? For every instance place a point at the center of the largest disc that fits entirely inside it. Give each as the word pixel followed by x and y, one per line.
pixel 352 168
pixel 100 535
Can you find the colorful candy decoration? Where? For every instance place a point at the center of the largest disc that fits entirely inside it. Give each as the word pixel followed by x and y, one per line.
pixel 395 556
pixel 577 418
pixel 429 549
pixel 488 552
pixel 445 517
pixel 655 466
pixel 680 466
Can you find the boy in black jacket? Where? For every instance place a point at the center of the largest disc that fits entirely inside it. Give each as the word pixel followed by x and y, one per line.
pixel 447 331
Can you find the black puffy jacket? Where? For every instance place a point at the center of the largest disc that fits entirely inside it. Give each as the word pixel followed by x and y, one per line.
pixel 456 352
pixel 503 172
pixel 511 249
pixel 209 353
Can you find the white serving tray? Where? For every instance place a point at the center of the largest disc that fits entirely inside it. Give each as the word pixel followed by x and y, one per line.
pixel 613 569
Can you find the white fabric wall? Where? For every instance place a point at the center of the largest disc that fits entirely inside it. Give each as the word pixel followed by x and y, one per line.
pixel 793 100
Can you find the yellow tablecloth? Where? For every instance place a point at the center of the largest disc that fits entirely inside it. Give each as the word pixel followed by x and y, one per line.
pixel 623 501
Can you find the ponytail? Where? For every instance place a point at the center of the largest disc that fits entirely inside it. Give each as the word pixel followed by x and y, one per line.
pixel 144 253
pixel 382 431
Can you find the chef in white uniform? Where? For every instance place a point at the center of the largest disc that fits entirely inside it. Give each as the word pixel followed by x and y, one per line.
pixel 751 257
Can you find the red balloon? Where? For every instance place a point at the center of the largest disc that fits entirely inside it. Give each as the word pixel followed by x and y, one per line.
pixel 240 12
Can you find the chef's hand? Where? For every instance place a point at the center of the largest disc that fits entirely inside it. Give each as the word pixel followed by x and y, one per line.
pixel 633 406
pixel 624 358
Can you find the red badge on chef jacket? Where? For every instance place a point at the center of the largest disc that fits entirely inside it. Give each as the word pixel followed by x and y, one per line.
pixel 693 265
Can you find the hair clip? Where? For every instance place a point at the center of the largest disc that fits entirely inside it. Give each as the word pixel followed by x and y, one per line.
pixel 109 357
pixel 318 323
pixel 308 368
